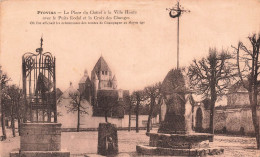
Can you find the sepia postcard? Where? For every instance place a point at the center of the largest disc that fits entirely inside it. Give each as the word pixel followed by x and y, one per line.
pixel 129 78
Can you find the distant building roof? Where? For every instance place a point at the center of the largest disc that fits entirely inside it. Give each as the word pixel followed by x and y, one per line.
pixel 84 78
pixel 237 88
pixel 101 65
pixel 69 90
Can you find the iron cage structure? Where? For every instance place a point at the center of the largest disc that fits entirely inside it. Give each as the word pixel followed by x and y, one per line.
pixel 39 86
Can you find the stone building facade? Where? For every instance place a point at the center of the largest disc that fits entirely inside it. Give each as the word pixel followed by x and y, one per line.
pixel 233 118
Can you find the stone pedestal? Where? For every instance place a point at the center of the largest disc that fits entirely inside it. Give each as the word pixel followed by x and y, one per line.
pixel 196 144
pixel 41 140
pixel 107 139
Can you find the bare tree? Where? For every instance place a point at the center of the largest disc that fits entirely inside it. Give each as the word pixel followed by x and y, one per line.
pixel 76 105
pixel 3 81
pixel 138 98
pixel 107 101
pixel 248 69
pixel 211 77
pixel 14 96
pixel 152 93
pixel 19 109
pixel 130 111
pixel 15 105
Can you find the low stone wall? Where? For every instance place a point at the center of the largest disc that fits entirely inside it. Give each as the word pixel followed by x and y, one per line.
pixel 96 129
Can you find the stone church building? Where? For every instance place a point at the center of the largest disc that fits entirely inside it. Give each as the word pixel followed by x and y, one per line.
pixel 100 90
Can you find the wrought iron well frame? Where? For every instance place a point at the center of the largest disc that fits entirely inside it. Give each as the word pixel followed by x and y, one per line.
pixel 39 86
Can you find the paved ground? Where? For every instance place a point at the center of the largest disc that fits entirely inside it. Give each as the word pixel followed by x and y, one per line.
pixel 85 143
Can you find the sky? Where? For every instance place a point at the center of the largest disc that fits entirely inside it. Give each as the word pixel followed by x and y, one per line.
pixel 139 55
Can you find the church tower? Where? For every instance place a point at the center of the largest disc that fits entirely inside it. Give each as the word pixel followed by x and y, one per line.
pixel 82 82
pixel 103 74
pixel 85 86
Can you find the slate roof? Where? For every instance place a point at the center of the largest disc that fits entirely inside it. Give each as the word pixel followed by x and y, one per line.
pixel 101 65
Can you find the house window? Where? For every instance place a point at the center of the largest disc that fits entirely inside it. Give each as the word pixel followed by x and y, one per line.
pixel 105 72
pixel 102 72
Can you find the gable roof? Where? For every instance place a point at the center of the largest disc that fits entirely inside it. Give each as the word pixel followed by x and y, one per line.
pixel 101 65
pixel 237 88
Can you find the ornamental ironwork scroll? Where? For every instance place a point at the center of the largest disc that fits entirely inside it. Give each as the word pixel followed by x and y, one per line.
pixel 39 86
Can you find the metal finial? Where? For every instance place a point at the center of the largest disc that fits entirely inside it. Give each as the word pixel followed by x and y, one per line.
pixel 41 42
pixel 40 49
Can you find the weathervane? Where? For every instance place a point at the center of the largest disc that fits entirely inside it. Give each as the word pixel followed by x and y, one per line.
pixel 176 12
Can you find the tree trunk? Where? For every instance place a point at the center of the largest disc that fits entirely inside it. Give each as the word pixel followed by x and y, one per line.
pixel 3 123
pixel 129 124
pixel 12 119
pixel 256 125
pixel 160 114
pixel 106 116
pixel 148 123
pixel 2 114
pixel 150 115
pixel 137 117
pixel 213 97
pixel 19 126
pixel 78 117
pixel 18 114
pixel 13 125
pixel 212 110
pixel 253 102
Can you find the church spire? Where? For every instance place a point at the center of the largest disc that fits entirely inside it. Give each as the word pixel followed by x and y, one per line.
pixel 101 65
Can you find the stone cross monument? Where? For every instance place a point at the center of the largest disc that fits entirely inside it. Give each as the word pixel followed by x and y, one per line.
pixel 175 135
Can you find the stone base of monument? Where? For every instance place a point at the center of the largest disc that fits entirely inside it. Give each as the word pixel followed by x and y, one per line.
pixel 194 144
pixel 41 140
